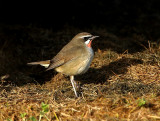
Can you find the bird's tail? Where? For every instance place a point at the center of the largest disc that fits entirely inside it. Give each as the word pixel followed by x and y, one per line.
pixel 42 63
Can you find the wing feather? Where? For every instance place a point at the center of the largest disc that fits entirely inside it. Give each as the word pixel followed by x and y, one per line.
pixel 66 55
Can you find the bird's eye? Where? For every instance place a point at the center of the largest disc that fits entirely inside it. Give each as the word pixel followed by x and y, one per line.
pixel 86 38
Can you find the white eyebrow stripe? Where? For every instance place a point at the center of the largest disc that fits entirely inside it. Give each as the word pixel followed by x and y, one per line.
pixel 85 36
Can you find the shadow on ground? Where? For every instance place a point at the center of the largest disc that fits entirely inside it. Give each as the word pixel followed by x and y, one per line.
pixel 104 73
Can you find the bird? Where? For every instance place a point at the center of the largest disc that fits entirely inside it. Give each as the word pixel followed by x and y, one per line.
pixel 73 59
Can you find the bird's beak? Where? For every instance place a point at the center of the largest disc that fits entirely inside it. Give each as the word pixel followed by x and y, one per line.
pixel 94 37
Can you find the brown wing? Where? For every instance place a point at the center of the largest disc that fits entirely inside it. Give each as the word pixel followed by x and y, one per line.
pixel 67 54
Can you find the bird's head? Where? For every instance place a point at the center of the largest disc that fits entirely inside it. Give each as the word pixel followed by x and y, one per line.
pixel 84 37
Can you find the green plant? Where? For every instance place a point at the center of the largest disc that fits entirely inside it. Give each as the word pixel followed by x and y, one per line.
pixel 9 119
pixel 45 109
pixel 32 118
pixel 23 116
pixel 141 102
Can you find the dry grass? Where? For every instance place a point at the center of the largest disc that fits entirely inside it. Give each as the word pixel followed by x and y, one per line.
pixel 118 86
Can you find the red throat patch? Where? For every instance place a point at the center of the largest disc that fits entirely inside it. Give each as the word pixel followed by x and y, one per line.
pixel 89 44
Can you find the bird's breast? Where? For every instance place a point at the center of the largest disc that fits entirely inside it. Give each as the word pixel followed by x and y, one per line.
pixel 85 64
pixel 78 65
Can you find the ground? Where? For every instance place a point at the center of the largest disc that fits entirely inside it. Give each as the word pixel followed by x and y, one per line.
pixel 123 82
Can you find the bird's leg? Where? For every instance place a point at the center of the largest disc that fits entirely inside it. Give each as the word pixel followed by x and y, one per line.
pixel 73 85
